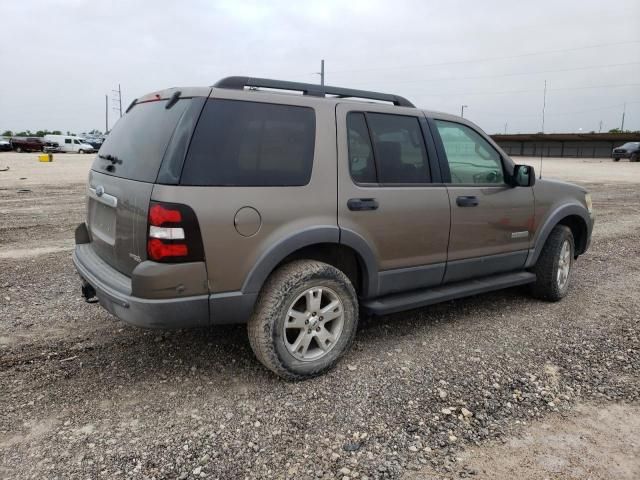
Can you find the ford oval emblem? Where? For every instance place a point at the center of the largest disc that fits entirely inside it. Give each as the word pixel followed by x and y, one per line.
pixel 99 190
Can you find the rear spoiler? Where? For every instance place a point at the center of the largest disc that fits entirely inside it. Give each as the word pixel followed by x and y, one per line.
pixel 172 94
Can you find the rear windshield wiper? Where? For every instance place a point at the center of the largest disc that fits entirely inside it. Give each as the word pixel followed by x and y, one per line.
pixel 111 158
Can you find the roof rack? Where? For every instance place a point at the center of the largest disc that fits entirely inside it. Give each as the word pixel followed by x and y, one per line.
pixel 239 83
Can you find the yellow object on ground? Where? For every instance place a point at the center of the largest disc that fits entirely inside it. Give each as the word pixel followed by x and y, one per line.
pixel 45 157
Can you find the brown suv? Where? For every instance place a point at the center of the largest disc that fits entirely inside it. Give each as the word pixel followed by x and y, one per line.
pixel 296 212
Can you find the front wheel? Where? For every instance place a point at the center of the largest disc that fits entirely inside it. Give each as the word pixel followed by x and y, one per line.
pixel 305 319
pixel 80 151
pixel 553 268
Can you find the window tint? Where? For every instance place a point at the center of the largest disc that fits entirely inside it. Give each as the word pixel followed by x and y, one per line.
pixel 138 141
pixel 67 140
pixel 240 143
pixel 361 164
pixel 399 147
pixel 471 158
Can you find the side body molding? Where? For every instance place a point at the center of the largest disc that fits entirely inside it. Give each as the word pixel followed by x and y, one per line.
pixel 551 221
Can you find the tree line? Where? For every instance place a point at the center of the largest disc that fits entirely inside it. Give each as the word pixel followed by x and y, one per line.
pixel 42 133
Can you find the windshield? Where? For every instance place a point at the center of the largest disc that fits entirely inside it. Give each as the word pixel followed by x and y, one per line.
pixel 136 145
pixel 631 145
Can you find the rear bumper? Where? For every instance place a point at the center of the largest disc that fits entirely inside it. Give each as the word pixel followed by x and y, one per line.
pixel 113 290
pixel 149 299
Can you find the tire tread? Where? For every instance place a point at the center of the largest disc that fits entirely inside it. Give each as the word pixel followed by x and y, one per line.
pixel 545 287
pixel 272 296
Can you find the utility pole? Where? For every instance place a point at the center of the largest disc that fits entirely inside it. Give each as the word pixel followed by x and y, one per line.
pixel 600 128
pixel 321 73
pixel 505 128
pixel 118 100
pixel 106 114
pixel 544 106
pixel 462 110
pixel 624 110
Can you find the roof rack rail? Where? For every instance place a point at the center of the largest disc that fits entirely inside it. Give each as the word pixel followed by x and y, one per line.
pixel 239 83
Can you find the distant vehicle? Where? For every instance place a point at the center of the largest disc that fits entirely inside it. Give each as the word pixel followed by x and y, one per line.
pixel 630 150
pixel 27 144
pixel 96 143
pixel 5 146
pixel 70 143
pixel 51 147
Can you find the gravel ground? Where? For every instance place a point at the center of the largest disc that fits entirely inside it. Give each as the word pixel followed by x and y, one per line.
pixel 85 396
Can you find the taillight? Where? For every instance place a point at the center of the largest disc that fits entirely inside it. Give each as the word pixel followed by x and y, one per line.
pixel 174 234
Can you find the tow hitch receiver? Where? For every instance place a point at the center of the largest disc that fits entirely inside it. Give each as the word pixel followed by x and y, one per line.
pixel 89 293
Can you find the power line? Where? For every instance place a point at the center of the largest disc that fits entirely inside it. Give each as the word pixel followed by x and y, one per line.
pixel 590 67
pixel 488 59
pixel 552 113
pixel 529 90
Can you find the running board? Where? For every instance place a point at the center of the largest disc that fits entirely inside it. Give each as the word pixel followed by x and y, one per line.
pixel 421 298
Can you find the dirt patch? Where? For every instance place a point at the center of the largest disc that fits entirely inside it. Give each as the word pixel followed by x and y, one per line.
pixel 594 442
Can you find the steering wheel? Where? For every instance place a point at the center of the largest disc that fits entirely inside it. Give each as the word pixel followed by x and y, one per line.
pixel 491 177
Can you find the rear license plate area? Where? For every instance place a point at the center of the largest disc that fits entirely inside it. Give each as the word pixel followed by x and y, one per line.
pixel 103 222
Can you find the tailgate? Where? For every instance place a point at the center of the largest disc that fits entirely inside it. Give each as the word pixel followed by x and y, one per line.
pixel 117 219
pixel 123 175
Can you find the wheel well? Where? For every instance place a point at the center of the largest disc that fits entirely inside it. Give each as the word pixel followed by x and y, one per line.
pixel 342 257
pixel 579 230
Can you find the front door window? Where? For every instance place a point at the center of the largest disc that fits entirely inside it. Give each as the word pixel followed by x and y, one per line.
pixel 472 160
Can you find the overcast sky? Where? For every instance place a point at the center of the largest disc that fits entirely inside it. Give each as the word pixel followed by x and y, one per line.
pixel 58 58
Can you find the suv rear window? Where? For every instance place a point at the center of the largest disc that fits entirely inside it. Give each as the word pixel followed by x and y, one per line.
pixel 239 143
pixel 136 144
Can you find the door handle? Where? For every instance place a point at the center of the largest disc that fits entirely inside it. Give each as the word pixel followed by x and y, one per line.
pixel 362 204
pixel 467 201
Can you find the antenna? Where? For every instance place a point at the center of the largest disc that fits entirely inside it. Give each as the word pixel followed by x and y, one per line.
pixel 544 105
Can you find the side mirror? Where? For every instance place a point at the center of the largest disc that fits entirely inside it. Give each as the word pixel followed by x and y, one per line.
pixel 523 176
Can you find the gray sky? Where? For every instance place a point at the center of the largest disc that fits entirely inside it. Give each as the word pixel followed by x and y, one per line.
pixel 58 58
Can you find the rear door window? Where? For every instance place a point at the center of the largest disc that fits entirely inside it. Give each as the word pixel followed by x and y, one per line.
pixel 136 145
pixel 400 150
pixel 238 143
pixel 361 163
pixel 386 149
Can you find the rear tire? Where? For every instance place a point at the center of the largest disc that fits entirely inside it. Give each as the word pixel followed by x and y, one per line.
pixel 554 266
pixel 305 319
pixel 81 151
pixel 634 157
pixel 616 159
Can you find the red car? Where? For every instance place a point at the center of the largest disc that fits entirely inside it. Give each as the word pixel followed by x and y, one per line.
pixel 27 144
